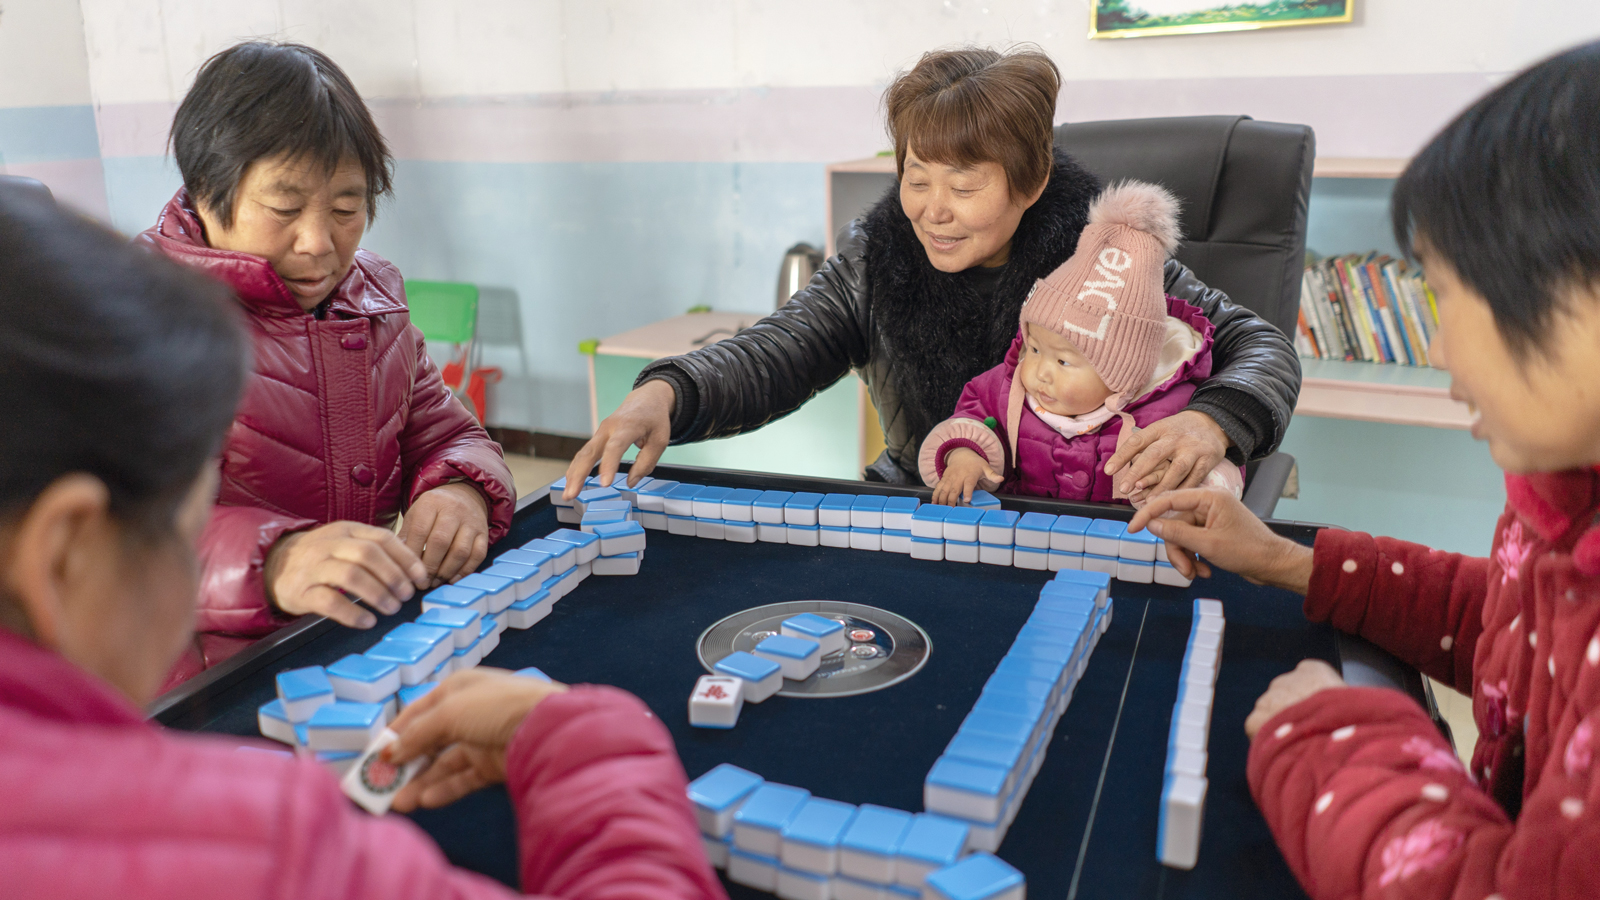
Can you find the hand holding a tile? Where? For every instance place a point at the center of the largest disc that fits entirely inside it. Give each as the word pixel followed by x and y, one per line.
pixel 465 724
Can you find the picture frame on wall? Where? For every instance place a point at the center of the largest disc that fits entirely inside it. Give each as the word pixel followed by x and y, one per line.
pixel 1152 18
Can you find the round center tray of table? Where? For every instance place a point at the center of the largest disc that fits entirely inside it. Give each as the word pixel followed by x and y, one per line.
pixel 885 649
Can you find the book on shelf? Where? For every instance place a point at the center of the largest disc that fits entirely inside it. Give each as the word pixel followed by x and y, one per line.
pixel 1366 307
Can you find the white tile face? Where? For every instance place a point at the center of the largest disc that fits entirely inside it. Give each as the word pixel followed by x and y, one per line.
pixel 1100 564
pixel 809 857
pixel 716 702
pixel 654 521
pixel 994 556
pixel 769 533
pixel 1135 572
pixel 716 851
pixel 834 537
pixel 961 804
pixel 838 518
pixel 927 550
pixel 866 866
pixel 896 543
pixel 739 534
pixel 1183 809
pixel 708 529
pixel 804 537
pixel 760 841
pixel 866 518
pixel 1169 576
pixel 866 540
pixel 958 552
pixel 1101 546
pixel 762 876
pixel 797 516
pixel 1142 551
pixel 797 886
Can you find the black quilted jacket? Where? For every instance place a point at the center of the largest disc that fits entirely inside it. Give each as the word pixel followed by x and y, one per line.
pixel 917 335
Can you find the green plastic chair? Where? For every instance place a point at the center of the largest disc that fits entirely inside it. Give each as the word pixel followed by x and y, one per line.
pixel 445 311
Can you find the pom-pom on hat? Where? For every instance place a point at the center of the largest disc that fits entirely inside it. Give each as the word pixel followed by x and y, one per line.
pixel 1109 298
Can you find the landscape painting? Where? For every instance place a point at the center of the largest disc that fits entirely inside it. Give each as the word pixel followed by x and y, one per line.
pixel 1149 18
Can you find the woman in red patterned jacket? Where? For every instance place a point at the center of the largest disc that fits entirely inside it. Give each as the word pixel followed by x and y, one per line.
pixel 1365 798
pixel 346 423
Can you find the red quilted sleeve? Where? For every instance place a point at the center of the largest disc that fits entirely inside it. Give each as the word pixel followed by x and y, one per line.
pixel 1366 800
pixel 1422 605
pixel 233 549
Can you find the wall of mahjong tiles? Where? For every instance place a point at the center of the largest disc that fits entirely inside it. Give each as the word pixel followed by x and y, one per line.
pixel 1090 819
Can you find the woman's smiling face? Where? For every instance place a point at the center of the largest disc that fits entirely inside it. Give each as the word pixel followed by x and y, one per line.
pixel 964 216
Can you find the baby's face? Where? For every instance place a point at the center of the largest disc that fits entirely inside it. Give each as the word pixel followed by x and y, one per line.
pixel 1057 375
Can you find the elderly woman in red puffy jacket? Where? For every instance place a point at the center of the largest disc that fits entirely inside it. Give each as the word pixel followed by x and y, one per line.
pixel 122 372
pixel 346 423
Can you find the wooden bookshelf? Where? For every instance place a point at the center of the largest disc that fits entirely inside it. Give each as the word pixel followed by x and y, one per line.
pixel 1358 167
pixel 1375 392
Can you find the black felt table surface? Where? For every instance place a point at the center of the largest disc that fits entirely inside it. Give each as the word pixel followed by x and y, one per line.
pixel 1088 826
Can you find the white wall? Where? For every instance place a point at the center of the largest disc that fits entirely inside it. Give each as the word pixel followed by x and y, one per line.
pixel 146 50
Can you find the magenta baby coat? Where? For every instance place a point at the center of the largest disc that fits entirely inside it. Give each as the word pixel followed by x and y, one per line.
pixel 1050 465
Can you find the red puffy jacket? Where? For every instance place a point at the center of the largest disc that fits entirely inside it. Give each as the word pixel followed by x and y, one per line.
pixel 1362 793
pixel 98 803
pixel 345 419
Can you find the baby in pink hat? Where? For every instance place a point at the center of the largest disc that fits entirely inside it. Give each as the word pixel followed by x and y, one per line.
pixel 1102 351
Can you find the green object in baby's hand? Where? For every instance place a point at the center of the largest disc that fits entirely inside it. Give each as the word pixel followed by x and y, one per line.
pixel 991 423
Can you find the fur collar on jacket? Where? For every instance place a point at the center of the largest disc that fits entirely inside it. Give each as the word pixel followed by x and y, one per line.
pixel 932 327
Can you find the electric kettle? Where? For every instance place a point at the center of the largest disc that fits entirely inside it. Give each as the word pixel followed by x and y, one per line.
pixel 800 263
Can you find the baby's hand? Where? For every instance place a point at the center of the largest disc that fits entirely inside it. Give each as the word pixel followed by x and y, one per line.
pixel 963 471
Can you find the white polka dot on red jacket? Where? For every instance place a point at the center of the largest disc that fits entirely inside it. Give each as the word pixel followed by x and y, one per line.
pixel 1438 793
pixel 1323 803
pixel 1398 568
pixel 1533 639
pixel 1552 661
pixel 1349 565
pixel 1594 651
pixel 1343 734
pixel 1446 642
pixel 1514 623
pixel 1283 731
pixel 1572 807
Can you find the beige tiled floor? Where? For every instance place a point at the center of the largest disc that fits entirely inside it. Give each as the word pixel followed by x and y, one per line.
pixel 1457 710
pixel 534 472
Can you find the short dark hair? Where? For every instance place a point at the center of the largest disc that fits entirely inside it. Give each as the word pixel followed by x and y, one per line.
pixel 116 363
pixel 260 100
pixel 973 105
pixel 1509 194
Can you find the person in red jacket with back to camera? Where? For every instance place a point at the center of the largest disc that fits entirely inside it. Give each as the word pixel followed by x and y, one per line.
pixel 122 372
pixel 346 423
pixel 1365 797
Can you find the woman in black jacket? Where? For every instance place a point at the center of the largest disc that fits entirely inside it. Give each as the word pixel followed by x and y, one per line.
pixel 926 289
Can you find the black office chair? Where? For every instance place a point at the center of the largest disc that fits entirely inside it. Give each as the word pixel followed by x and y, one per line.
pixel 31 186
pixel 1244 187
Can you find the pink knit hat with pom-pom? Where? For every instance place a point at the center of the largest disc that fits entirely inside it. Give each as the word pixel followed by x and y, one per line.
pixel 1109 298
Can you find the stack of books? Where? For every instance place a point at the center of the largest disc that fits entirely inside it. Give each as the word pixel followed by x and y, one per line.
pixel 1368 307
